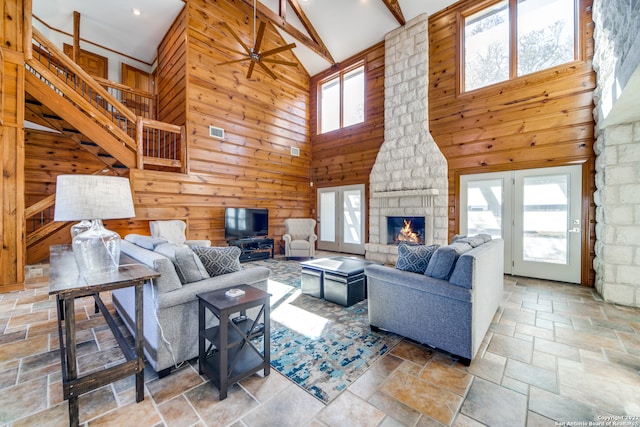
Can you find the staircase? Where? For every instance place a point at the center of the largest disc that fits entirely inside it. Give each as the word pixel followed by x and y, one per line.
pixel 62 96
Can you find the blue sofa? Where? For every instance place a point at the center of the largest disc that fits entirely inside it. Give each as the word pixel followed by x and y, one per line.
pixel 451 306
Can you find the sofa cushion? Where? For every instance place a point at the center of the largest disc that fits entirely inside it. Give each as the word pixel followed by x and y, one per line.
pixel 168 280
pixel 414 258
pixel 187 264
pixel 219 260
pixel 146 242
pixel 444 260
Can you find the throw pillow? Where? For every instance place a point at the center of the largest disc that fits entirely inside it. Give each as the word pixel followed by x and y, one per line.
pixel 188 266
pixel 219 260
pixel 444 260
pixel 414 258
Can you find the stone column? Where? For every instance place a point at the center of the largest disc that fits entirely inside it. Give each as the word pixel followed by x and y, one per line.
pixel 617 113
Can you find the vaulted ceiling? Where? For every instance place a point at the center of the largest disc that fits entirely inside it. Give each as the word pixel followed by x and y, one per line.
pixel 325 31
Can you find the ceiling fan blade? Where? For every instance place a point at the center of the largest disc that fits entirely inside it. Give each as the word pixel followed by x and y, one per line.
pixel 251 67
pixel 259 37
pixel 235 36
pixel 234 61
pixel 279 61
pixel 278 50
pixel 221 46
pixel 268 71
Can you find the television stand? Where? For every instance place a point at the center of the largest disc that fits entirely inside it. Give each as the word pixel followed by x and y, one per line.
pixel 254 248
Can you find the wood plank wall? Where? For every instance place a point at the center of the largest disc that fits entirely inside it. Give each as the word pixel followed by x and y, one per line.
pixel 346 156
pixel 544 119
pixel 262 119
pixel 12 251
pixel 171 73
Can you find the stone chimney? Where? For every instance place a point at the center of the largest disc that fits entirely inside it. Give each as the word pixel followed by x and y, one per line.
pixel 409 176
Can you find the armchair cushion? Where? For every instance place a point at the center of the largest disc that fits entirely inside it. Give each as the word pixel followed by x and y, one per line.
pixel 174 231
pixel 187 264
pixel 219 260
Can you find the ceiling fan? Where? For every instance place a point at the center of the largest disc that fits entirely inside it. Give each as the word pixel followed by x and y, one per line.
pixel 254 54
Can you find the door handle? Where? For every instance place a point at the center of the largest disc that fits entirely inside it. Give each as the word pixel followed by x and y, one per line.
pixel 575 230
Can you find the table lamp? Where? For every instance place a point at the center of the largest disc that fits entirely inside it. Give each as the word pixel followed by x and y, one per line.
pixel 95 198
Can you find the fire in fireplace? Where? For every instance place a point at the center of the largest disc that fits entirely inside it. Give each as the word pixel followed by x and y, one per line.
pixel 405 229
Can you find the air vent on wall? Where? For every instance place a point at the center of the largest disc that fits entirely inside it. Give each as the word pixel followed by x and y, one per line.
pixel 216 132
pixel 295 151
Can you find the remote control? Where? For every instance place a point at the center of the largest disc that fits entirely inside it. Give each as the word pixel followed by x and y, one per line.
pixel 239 319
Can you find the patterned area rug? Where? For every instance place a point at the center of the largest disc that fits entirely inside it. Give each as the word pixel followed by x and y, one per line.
pixel 321 346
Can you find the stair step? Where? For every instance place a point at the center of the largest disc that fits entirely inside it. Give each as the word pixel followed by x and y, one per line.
pixel 106 155
pixel 51 116
pixel 89 143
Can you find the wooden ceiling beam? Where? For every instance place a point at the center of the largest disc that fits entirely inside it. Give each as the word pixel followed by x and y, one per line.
pixel 308 26
pixel 396 10
pixel 266 14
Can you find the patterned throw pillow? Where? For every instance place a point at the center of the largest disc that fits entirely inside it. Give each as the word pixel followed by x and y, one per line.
pixel 414 258
pixel 219 260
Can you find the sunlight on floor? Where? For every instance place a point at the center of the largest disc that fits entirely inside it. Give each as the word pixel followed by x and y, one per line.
pixel 278 291
pixel 299 320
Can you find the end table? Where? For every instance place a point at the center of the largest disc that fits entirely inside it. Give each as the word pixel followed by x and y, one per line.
pixel 227 353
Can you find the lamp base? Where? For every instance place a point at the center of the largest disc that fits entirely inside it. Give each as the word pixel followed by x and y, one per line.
pixel 78 228
pixel 97 250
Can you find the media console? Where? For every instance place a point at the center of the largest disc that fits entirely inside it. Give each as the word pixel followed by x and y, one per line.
pixel 254 248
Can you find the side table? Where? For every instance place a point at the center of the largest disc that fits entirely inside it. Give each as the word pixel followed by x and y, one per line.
pixel 227 353
pixel 67 285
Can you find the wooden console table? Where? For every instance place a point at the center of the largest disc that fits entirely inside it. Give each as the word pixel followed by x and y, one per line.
pixel 67 285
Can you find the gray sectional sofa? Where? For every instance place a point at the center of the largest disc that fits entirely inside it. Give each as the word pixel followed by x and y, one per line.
pixel 451 305
pixel 171 306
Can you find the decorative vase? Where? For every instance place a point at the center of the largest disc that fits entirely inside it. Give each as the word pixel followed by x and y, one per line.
pixel 97 250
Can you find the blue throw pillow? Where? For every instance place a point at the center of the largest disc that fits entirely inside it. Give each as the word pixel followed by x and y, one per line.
pixel 414 258
pixel 444 260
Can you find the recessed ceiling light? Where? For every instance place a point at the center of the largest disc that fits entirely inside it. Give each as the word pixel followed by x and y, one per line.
pixel 136 11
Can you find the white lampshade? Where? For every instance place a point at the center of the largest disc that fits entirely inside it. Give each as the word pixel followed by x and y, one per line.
pixel 81 197
pixel 94 197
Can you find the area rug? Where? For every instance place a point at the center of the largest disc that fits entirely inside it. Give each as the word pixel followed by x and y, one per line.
pixel 321 346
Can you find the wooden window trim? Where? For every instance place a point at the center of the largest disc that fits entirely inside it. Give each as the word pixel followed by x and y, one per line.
pixel 578 44
pixel 340 75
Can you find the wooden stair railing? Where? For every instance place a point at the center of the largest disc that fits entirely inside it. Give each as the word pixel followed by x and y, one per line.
pixel 140 102
pixel 66 80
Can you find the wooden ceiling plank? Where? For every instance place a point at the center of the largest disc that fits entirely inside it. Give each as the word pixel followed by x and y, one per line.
pixel 266 14
pixel 396 10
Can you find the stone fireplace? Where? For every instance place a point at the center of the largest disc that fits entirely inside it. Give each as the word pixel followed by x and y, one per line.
pixel 409 177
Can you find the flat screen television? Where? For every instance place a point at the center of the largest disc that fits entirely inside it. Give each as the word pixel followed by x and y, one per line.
pixel 240 223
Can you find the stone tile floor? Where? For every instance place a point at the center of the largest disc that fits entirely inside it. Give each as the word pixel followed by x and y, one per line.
pixel 555 355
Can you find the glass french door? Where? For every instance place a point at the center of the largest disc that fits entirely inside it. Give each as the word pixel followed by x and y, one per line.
pixel 341 214
pixel 538 214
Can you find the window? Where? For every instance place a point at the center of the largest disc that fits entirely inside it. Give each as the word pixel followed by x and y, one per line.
pixel 498 47
pixel 342 100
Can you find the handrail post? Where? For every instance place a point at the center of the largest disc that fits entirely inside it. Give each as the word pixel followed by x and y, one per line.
pixel 183 149
pixel 140 141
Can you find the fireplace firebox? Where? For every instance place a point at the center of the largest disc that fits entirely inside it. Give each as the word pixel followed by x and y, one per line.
pixel 409 229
